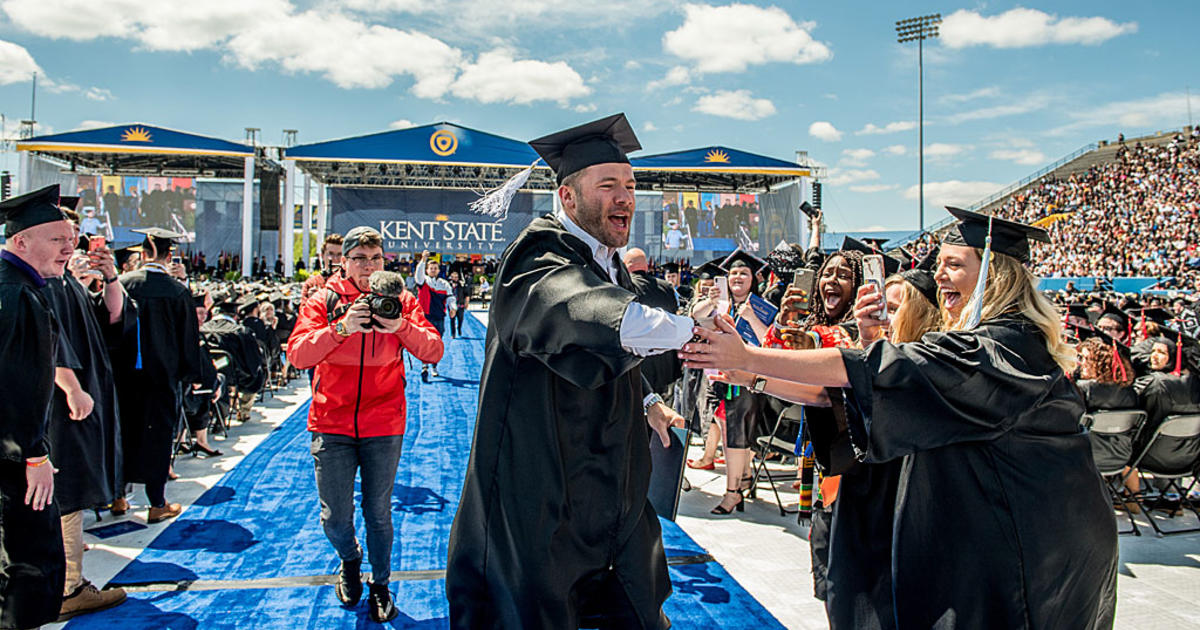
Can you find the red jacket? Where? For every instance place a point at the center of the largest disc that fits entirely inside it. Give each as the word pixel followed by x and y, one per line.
pixel 358 386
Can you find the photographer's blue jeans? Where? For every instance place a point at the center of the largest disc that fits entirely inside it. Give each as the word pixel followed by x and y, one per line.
pixel 337 459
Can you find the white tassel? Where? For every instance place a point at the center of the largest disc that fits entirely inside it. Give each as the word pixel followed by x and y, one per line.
pixel 975 304
pixel 494 203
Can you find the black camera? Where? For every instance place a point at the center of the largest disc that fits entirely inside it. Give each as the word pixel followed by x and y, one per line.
pixel 382 307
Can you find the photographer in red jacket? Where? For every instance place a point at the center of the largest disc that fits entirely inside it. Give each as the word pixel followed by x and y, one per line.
pixel 358 405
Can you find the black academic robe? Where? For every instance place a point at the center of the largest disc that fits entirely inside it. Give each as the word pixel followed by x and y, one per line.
pixel 237 341
pixel 86 452
pixel 554 526
pixel 1163 394
pixel 166 340
pixel 31 551
pixel 1001 519
pixel 660 370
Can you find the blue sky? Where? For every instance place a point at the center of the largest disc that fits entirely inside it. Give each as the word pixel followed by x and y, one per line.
pixel 1009 88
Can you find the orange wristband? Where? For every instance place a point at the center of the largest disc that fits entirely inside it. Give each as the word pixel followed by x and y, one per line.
pixel 45 460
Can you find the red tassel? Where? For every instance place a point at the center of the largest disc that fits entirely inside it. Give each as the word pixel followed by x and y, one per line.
pixel 1117 363
pixel 1178 355
pixel 1142 325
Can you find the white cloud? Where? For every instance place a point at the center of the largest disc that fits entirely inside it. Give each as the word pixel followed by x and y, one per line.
pixel 678 75
pixel 1024 157
pixel 856 157
pixel 584 108
pixel 16 64
pixel 892 127
pixel 1031 103
pixel 1168 109
pixel 496 77
pixel 739 104
pixel 840 177
pixel 632 64
pixel 953 192
pixel 94 124
pixel 98 94
pixel 824 130
pixel 649 126
pixel 987 92
pixel 1021 28
pixel 491 17
pixel 733 37
pixel 895 149
pixel 873 188
pixel 945 150
pixel 403 123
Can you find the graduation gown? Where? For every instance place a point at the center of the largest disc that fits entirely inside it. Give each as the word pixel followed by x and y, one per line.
pixel 166 341
pixel 245 354
pixel 660 370
pixel 31 552
pixel 1001 519
pixel 86 452
pixel 554 526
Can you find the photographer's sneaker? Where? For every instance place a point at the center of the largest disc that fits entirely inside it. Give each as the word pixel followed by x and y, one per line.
pixel 433 371
pixel 349 583
pixel 425 373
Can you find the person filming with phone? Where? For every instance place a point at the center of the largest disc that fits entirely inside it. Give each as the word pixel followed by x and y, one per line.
pixel 354 331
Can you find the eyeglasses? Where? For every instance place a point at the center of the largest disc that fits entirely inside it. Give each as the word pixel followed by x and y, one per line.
pixel 363 261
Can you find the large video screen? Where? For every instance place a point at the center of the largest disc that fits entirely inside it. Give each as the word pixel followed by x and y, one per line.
pixel 113 205
pixel 709 222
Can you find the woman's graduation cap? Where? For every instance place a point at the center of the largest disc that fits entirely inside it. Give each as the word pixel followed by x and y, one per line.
pixel 709 270
pixel 157 239
pixel 890 265
pixel 993 235
pixel 921 276
pixel 743 258
pixel 35 208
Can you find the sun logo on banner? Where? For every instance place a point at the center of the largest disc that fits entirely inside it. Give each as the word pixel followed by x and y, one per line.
pixel 443 142
pixel 717 156
pixel 136 134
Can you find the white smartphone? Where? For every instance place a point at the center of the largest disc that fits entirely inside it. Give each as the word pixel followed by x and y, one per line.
pixel 873 274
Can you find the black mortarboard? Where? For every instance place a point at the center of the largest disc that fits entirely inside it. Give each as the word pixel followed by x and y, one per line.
pixel 875 242
pixel 890 265
pixel 671 267
pixel 906 258
pixel 1079 310
pixel 162 239
pixel 199 299
pixel 709 270
pixel 1008 237
pixel 68 202
pixel 34 208
pixel 743 258
pixel 921 276
pixel 247 304
pixel 598 142
pixel 1114 313
pixel 122 255
pixel 1162 316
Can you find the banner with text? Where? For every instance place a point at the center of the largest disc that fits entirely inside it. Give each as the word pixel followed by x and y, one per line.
pixel 413 220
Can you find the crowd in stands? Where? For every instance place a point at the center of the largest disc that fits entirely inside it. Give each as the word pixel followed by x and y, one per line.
pixel 1138 215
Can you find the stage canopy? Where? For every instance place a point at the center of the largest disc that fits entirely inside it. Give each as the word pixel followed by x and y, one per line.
pixel 446 155
pixel 141 149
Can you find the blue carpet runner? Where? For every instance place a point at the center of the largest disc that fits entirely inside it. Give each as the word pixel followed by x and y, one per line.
pixel 261 522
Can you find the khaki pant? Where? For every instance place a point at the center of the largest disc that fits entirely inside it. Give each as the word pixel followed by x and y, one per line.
pixel 246 403
pixel 72 533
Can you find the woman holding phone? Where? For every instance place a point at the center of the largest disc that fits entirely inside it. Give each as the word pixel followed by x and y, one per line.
pixel 1002 520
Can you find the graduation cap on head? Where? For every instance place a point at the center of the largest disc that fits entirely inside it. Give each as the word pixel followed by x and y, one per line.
pixel 709 270
pixel 69 202
pixel 247 304
pixel 1115 314
pixel 157 238
pixel 875 242
pixel 1007 237
pixel 671 267
pixel 199 298
pixel 890 265
pixel 921 276
pixel 122 255
pixel 907 259
pixel 1158 315
pixel 598 142
pixel 743 258
pixel 1184 349
pixel 34 208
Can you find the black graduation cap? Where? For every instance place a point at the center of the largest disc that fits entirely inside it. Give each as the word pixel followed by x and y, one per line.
pixel 921 276
pixel 743 258
pixel 1008 237
pixel 598 142
pixel 709 270
pixel 875 242
pixel 69 202
pixel 35 208
pixel 907 259
pixel 1115 314
pixel 850 244
pixel 161 238
pixel 671 267
pixel 199 298
pixel 247 304
pixel 1159 315
pixel 122 255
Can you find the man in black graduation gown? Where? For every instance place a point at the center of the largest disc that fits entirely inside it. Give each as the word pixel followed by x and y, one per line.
pixel 85 446
pixel 167 357
pixel 554 529
pixel 246 371
pixel 40 240
pixel 662 370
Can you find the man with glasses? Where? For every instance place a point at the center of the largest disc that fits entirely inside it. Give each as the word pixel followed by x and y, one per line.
pixel 358 409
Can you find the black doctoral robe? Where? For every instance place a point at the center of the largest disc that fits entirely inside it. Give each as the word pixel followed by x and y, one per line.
pixel 166 343
pixel 31 551
pixel 554 526
pixel 86 452
pixel 1001 519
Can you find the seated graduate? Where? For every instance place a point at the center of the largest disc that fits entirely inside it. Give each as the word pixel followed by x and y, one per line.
pixel 1172 386
pixel 982 538
pixel 1105 374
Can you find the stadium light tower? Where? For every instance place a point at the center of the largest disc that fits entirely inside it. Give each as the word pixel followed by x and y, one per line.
pixel 919 29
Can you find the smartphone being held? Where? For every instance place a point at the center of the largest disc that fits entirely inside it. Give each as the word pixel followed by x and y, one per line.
pixel 873 274
pixel 805 280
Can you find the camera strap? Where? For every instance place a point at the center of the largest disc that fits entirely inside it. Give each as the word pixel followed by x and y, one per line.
pixel 334 309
